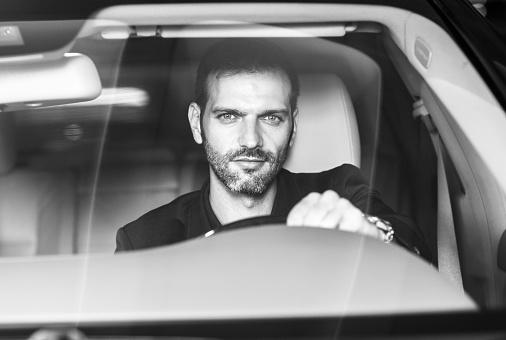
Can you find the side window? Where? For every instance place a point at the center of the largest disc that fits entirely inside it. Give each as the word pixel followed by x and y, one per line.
pixel 494 12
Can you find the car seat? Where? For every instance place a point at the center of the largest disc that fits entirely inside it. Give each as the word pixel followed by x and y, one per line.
pixel 327 133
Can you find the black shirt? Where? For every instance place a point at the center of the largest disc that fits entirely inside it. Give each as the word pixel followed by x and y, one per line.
pixel 190 215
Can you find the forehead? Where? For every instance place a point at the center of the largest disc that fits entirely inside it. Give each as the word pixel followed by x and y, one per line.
pixel 260 88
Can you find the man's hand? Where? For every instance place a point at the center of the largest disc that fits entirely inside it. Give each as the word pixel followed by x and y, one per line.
pixel 329 210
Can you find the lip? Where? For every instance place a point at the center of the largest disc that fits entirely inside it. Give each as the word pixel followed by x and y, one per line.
pixel 243 159
pixel 249 163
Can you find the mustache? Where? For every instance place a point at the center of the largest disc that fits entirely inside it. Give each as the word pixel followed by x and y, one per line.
pixel 256 153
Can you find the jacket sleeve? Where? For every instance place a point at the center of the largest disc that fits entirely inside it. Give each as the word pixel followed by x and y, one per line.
pixel 123 242
pixel 149 233
pixel 406 232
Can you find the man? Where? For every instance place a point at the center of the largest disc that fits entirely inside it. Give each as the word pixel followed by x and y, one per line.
pixel 246 117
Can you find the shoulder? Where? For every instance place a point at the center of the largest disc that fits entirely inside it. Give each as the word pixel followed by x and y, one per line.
pixel 344 170
pixel 340 179
pixel 161 226
pixel 175 209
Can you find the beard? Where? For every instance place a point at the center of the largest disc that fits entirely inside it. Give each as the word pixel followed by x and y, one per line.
pixel 252 182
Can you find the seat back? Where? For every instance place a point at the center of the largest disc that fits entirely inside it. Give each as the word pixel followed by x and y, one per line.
pixel 327 133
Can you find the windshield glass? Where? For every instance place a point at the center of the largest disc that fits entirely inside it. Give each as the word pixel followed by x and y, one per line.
pixel 117 161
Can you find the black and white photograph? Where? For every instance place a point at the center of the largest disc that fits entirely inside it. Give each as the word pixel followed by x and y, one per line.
pixel 248 170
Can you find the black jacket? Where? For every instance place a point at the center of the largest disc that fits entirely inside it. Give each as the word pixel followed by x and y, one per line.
pixel 190 215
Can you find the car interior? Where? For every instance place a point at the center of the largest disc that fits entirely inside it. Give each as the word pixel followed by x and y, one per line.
pixel 99 133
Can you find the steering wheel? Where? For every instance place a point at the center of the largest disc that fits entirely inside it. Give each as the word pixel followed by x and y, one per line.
pixel 259 221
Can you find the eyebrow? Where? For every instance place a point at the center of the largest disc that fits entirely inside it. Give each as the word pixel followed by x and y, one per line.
pixel 270 112
pixel 218 110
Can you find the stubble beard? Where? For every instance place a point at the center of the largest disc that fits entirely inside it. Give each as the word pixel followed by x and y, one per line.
pixel 251 182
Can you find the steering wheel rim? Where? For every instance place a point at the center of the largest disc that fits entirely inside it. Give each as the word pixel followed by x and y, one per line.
pixel 257 221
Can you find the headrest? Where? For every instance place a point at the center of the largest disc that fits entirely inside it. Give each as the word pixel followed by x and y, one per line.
pixel 327 134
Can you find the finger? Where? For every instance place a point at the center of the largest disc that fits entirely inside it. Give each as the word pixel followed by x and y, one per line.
pixel 312 209
pixel 326 202
pixel 296 216
pixel 318 213
pixel 356 222
pixel 352 220
pixel 370 229
pixel 338 214
pixel 332 219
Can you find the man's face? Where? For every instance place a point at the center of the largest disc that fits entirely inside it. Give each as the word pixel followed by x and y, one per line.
pixel 247 128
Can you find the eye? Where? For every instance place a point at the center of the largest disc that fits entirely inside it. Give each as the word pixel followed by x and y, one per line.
pixel 272 119
pixel 227 117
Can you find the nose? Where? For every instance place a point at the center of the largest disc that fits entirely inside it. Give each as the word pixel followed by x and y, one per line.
pixel 250 136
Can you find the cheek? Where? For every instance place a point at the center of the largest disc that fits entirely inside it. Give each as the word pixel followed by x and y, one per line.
pixel 279 140
pixel 221 140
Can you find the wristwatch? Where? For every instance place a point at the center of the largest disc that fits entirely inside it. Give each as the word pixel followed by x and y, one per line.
pixel 384 226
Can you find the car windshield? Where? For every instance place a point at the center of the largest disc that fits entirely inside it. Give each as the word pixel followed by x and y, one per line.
pixel 100 124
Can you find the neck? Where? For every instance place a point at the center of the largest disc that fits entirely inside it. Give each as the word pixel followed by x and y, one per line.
pixel 230 207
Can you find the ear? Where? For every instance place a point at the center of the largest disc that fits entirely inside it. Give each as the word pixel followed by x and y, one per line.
pixel 295 124
pixel 194 119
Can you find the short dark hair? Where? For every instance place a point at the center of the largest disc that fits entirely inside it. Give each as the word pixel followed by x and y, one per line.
pixel 246 55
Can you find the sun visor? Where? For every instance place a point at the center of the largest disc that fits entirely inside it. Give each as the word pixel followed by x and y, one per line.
pixel 35 83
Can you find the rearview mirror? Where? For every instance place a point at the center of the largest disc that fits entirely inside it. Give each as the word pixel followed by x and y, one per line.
pixel 34 83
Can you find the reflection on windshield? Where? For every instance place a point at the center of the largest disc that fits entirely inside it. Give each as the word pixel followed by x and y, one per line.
pixel 159 158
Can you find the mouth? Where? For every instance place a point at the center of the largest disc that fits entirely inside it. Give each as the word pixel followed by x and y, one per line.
pixel 249 163
pixel 248 159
